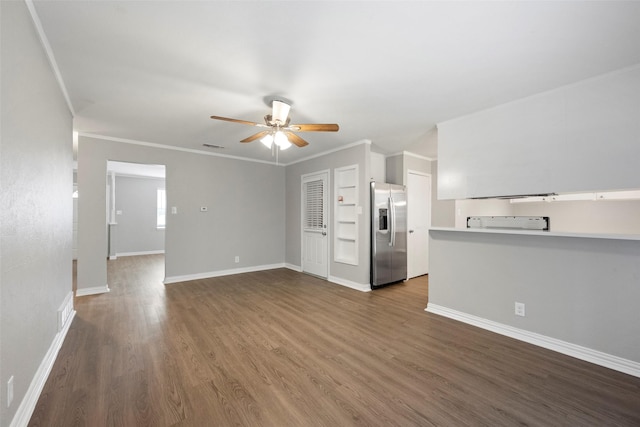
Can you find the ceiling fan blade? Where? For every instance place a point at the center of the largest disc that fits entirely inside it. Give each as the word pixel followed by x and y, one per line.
pixel 295 139
pixel 256 136
pixel 244 122
pixel 328 127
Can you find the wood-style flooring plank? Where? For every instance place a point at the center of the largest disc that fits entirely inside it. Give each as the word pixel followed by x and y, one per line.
pixel 280 348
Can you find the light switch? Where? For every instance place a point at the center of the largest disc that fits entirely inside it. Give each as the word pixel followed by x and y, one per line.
pixel 203 209
pixel 118 212
pixel 174 210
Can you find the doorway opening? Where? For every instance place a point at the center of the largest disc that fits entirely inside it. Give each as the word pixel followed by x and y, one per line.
pixel 136 211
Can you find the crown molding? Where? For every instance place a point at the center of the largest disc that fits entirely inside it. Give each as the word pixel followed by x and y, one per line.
pixel 47 48
pixel 324 153
pixel 207 153
pixel 410 154
pixel 171 147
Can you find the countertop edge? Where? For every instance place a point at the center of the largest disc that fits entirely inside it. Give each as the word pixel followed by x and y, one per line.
pixel 540 233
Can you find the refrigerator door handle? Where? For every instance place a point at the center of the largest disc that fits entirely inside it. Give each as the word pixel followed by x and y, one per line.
pixel 392 222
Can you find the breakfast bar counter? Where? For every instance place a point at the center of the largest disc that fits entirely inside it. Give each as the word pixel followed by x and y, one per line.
pixel 578 292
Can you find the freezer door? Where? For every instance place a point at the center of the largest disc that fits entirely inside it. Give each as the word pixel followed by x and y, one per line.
pixel 380 236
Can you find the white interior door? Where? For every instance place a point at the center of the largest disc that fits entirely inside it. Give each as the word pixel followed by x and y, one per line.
pixel 314 224
pixel 419 221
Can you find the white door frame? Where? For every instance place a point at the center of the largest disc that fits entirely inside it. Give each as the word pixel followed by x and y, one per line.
pixel 325 173
pixel 111 213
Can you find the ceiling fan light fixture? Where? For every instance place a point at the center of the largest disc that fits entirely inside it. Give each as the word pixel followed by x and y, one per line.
pixel 281 140
pixel 280 112
pixel 267 140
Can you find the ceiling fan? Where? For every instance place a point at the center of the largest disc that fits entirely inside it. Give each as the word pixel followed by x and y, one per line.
pixel 278 130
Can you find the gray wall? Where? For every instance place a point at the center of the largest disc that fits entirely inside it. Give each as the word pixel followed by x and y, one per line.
pixel 398 167
pixel 394 170
pixel 582 291
pixel 416 164
pixel 36 166
pixel 245 203
pixel 378 167
pixel 600 216
pixel 136 231
pixel 443 212
pixel 360 155
pixel 485 207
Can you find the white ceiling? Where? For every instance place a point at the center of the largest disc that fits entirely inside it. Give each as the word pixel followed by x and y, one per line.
pixel 154 71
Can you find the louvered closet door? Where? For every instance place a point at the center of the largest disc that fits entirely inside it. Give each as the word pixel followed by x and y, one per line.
pixel 314 224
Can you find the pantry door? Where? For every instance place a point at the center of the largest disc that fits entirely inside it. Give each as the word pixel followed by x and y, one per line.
pixel 419 221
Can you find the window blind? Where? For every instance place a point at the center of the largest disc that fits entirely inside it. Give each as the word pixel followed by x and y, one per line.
pixel 314 198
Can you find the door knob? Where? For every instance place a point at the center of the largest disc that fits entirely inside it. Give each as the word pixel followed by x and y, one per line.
pixel 410 231
pixel 324 233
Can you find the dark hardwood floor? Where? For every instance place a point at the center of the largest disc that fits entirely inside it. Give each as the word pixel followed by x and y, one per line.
pixel 279 348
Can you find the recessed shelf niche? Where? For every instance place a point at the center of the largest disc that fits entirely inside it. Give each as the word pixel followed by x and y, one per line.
pixel 346 215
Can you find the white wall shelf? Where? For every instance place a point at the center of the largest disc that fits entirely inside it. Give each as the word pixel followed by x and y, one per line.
pixel 346 215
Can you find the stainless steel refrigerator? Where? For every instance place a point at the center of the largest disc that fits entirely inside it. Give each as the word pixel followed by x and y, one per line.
pixel 388 234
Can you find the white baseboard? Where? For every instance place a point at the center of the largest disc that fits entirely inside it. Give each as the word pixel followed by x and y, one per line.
pixel 92 291
pixel 337 280
pixel 366 287
pixel 219 273
pixel 120 254
pixel 583 353
pixel 344 282
pixel 293 267
pixel 28 404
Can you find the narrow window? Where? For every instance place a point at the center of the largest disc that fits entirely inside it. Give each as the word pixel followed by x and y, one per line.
pixel 161 212
pixel 313 212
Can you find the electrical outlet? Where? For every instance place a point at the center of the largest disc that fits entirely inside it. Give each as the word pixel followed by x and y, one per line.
pixel 9 391
pixel 519 309
pixel 237 259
